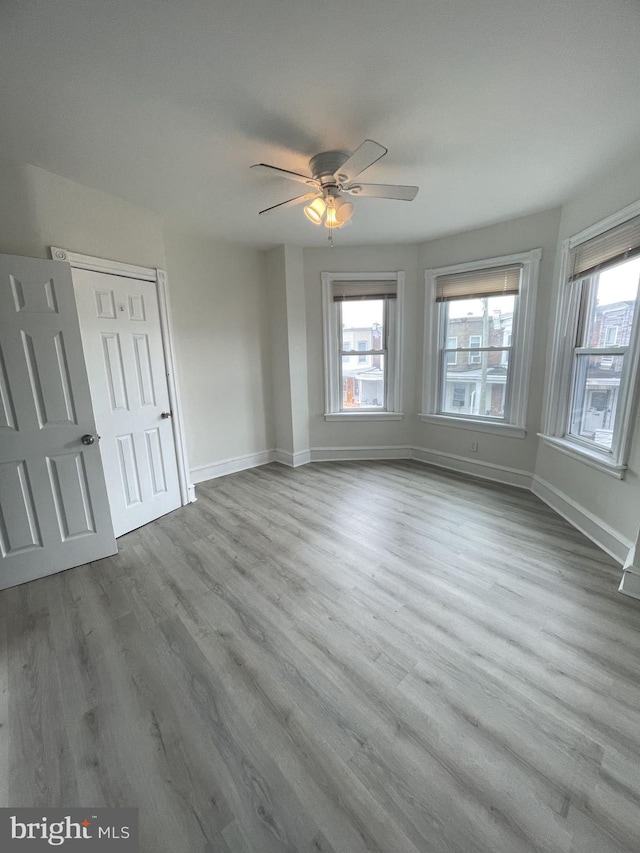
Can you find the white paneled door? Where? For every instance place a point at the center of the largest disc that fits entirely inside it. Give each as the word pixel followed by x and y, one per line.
pixel 54 511
pixel 121 332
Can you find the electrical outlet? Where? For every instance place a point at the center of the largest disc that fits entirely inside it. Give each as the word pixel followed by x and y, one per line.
pixel 473 447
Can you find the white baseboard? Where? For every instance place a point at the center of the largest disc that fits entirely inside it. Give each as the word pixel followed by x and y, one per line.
pixel 464 465
pixel 630 584
pixel 292 460
pixel 355 454
pixel 231 466
pixel 594 528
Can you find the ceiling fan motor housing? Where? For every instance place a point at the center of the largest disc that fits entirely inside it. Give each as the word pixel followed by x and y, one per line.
pixel 325 167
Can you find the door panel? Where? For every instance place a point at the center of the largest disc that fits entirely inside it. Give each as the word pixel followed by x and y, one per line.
pixel 120 324
pixel 114 368
pixel 131 491
pixel 7 408
pixel 49 376
pixel 70 489
pixel 54 512
pixel 19 530
pixel 155 460
pixel 143 370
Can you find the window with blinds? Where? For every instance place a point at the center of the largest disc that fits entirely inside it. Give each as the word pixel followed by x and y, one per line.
pixel 597 344
pixel 605 271
pixel 476 322
pixel 479 284
pixel 606 250
pixel 478 343
pixel 362 344
pixel 363 290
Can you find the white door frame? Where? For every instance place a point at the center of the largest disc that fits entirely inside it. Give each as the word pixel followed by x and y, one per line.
pixel 159 278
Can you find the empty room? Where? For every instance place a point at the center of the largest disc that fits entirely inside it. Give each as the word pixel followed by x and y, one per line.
pixel 319 435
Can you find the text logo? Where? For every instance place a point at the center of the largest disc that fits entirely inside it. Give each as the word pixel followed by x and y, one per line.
pixel 31 830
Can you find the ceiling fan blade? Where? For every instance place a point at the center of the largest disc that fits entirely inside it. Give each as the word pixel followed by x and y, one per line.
pixel 403 193
pixel 299 199
pixel 363 157
pixel 275 172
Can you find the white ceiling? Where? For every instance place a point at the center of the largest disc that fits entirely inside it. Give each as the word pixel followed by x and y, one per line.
pixel 494 109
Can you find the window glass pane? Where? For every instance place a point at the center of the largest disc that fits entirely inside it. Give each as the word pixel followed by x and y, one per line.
pixel 610 313
pixel 479 393
pixel 507 342
pixel 452 357
pixel 363 385
pixel 474 341
pixel 474 383
pixel 362 323
pixel 479 323
pixel 595 398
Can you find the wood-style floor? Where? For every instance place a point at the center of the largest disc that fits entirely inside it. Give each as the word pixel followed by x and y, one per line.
pixel 344 657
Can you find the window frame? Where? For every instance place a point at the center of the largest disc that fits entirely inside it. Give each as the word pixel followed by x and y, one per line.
pixel 332 340
pixel 559 396
pixel 514 422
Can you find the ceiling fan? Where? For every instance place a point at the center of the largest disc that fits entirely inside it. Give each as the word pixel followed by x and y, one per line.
pixel 332 174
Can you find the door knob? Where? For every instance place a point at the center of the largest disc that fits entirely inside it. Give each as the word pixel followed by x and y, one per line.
pixel 88 439
pixel 166 415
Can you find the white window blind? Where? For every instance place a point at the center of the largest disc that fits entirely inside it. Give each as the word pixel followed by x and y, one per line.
pixel 606 250
pixel 498 281
pixel 341 290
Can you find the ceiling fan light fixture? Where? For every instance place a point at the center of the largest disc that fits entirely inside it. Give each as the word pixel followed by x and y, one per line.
pixel 315 211
pixel 343 210
pixel 331 220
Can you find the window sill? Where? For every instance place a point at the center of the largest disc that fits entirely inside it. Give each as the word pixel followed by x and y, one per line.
pixel 497 428
pixel 364 416
pixel 599 461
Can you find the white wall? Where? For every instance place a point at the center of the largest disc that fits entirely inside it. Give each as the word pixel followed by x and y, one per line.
pixel 323 434
pixel 517 235
pixel 280 373
pixel 39 209
pixel 219 300
pixel 18 229
pixel 615 503
pixel 297 350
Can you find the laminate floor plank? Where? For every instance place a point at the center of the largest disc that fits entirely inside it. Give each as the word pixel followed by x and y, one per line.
pixel 360 657
pixel 39 769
